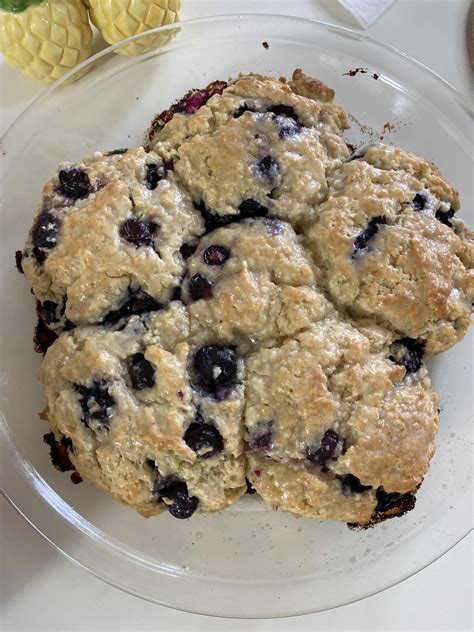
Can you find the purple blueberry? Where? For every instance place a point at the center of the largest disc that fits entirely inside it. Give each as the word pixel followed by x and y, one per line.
pixel 248 208
pixel 393 500
pixel 49 312
pixel 114 152
pixel 141 372
pixel 182 505
pixel 274 226
pixel 43 336
pixel 154 174
pixel 326 450
pixel 39 255
pixel 200 287
pixel 352 485
pixel 212 220
pixel 204 438
pixel 96 402
pixel 18 261
pixel 215 370
pixel 445 216
pixel 44 233
pixel 74 183
pixel 268 168
pixel 137 302
pixel 261 439
pixel 242 109
pixel 187 250
pixel 252 208
pixel 408 352
pixel 138 232
pixel 362 240
pixel 283 110
pixel 419 202
pixel 286 119
pixel 59 452
pixel 195 99
pixel 216 255
pixel 76 478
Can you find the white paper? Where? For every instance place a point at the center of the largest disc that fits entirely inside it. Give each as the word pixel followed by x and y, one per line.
pixel 367 12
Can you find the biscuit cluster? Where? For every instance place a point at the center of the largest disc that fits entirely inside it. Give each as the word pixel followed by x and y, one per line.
pixel 244 304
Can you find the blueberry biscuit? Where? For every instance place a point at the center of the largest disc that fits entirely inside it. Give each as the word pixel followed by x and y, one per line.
pixel 279 140
pixel 250 283
pixel 335 431
pixel 105 241
pixel 143 416
pixel 244 306
pixel 391 249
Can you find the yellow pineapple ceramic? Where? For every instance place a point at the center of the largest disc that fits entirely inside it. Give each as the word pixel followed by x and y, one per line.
pixel 119 19
pixel 44 39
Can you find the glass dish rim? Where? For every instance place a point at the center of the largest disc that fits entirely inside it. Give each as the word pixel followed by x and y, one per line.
pixel 25 470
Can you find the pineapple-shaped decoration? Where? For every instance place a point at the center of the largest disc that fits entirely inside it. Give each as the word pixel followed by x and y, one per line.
pixel 44 38
pixel 119 19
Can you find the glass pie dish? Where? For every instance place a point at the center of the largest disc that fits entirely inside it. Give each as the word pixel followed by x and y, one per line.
pixel 248 561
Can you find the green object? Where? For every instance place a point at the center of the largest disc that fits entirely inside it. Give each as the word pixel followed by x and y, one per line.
pixel 17 5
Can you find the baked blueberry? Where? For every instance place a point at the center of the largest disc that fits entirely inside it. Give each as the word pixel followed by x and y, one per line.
pixel 192 101
pixel 114 152
pixel 48 312
pixel 39 255
pixel 96 402
pixel 274 226
pixel 45 231
pixel 18 260
pixel 419 202
pixel 74 183
pixel 262 437
pixel 215 367
pixel 182 505
pixel 43 336
pixel 268 168
pixel 286 119
pixel 283 110
pixel 195 99
pixel 362 240
pixel 242 109
pixel 352 485
pixel 138 302
pixel 408 352
pixel 138 232
pixel 216 255
pixel 200 287
pixel 212 220
pixel 187 250
pixel 445 216
pixel 58 451
pixel 393 500
pixel 204 438
pixel 154 174
pixel 252 208
pixel 76 478
pixel 326 450
pixel 141 372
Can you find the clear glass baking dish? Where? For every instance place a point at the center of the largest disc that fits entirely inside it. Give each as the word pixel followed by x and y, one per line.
pixel 247 561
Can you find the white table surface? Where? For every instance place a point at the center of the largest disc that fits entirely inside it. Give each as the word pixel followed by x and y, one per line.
pixel 42 591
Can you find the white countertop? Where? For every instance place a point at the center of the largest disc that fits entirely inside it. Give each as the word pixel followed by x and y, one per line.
pixel 40 590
